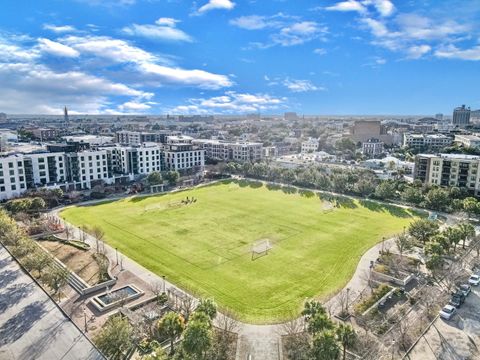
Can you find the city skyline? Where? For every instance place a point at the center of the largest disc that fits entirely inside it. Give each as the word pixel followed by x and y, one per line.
pixel 235 57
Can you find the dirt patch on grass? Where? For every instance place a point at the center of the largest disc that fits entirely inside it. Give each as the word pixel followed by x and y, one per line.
pixel 79 261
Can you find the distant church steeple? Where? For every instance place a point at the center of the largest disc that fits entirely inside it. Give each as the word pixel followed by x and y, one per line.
pixel 65 115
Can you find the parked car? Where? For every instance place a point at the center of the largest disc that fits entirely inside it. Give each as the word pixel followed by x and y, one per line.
pixel 465 289
pixel 457 299
pixel 474 280
pixel 448 312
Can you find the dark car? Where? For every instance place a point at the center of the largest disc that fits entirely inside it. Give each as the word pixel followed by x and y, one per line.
pixel 457 299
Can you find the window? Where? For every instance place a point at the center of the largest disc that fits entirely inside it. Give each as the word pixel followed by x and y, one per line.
pixel 14 187
pixel 10 165
pixel 2 188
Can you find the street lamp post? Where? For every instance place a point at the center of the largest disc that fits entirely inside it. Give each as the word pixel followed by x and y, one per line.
pixel 348 295
pixel 393 348
pixel 164 284
pixel 116 254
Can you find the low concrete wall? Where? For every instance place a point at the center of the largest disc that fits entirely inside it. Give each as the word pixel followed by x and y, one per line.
pixel 392 279
pixel 103 285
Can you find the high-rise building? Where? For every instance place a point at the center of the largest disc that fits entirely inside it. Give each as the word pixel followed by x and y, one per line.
pixel 461 116
pixel 439 117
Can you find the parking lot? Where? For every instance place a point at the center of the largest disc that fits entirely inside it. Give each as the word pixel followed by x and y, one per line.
pixel 455 339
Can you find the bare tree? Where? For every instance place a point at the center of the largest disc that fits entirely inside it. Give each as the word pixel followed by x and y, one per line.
pixel 343 302
pixel 403 243
pixel 68 231
pixel 187 306
pixel 98 234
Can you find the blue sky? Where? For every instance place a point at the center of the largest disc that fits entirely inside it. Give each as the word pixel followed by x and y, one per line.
pixel 239 56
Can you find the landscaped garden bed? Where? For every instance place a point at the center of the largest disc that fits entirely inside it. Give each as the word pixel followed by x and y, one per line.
pixel 80 261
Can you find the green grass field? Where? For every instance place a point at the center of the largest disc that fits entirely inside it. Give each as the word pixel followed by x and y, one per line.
pixel 205 247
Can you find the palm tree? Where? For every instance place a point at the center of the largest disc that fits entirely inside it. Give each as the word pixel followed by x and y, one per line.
pixel 346 337
pixel 325 347
pixel 171 326
pixel 467 230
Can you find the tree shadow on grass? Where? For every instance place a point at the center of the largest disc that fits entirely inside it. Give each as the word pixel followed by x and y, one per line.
pixel 392 210
pixel 307 193
pixel 255 184
pixel 289 189
pixel 346 203
pixel 273 187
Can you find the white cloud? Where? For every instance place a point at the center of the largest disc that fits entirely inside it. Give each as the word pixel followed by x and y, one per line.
pixel 34 88
pixel 56 48
pixel 231 103
pixel 299 33
pixel 197 78
pixel 146 64
pixel 59 29
pixel 287 30
pixel 320 51
pixel 251 22
pixel 134 106
pixel 349 5
pixel 418 27
pixel 163 29
pixel 216 4
pixel 417 51
pixel 384 7
pixel 301 85
pixel 453 52
pixel 109 48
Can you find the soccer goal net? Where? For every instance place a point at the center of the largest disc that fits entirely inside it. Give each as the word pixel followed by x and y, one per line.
pixel 261 247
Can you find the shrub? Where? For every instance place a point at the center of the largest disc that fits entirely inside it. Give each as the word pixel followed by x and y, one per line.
pixel 377 294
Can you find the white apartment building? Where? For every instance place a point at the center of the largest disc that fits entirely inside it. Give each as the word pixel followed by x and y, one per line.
pixel 430 141
pixel 449 170
pixel 93 166
pixel 311 145
pixel 236 151
pixel 137 160
pixel 468 140
pixel 182 155
pixel 46 168
pixel 12 177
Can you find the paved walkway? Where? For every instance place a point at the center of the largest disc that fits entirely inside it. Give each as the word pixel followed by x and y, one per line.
pixel 31 325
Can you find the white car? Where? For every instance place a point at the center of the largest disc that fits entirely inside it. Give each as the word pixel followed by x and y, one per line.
pixel 474 280
pixel 447 312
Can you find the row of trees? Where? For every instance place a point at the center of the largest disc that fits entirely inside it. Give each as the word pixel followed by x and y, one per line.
pixel 320 338
pixel 37 261
pixel 30 205
pixel 361 182
pixel 156 178
pixel 199 339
